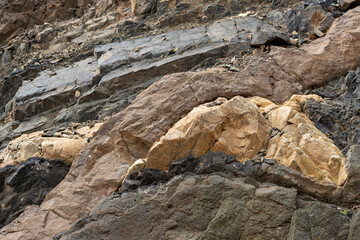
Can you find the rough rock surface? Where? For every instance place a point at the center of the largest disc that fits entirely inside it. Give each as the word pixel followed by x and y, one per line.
pixel 129 135
pixel 338 116
pixel 235 127
pixel 235 207
pixel 63 145
pixel 27 184
pixel 297 143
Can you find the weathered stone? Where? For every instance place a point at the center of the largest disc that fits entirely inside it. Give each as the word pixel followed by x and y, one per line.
pixel 338 116
pixel 37 144
pixel 320 221
pixel 131 133
pixel 235 127
pixel 300 145
pixel 267 34
pixel 27 184
pixel 37 96
pixel 233 210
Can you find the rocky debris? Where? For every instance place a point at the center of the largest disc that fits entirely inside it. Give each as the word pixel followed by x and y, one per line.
pixel 63 144
pixel 235 127
pixel 310 20
pixel 18 15
pixel 27 184
pixel 338 115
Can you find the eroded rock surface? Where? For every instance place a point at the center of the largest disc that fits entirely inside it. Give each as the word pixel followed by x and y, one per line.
pixel 129 135
pixel 27 184
pixel 338 116
pixel 235 127
pixel 235 208
pixel 63 145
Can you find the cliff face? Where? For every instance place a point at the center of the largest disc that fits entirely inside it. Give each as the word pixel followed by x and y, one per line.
pixel 180 119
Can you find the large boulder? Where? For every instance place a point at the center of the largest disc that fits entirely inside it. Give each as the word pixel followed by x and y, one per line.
pixel 235 127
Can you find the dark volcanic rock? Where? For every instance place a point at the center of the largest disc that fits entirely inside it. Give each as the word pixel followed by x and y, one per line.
pixel 339 115
pixel 27 184
pixel 211 162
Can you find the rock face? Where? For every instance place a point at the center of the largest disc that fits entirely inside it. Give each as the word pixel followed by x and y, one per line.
pixel 19 14
pixel 130 134
pixel 235 127
pixel 27 184
pixel 270 193
pixel 215 204
pixel 225 199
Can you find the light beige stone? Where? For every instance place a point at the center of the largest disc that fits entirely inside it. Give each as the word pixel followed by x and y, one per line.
pixel 303 147
pixel 235 127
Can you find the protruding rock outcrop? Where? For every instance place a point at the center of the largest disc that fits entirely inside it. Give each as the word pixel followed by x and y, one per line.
pixel 235 127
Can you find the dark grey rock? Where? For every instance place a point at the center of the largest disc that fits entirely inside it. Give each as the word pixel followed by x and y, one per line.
pixel 213 11
pixel 192 207
pixel 6 56
pixel 338 116
pixel 266 34
pixel 321 221
pixel 354 231
pixel 27 184
pixel 145 7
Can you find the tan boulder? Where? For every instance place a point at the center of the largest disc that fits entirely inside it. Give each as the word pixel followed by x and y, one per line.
pixel 235 127
pixel 65 149
pixel 302 146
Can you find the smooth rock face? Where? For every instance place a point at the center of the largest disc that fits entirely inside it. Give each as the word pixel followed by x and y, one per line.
pixel 27 184
pixel 235 127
